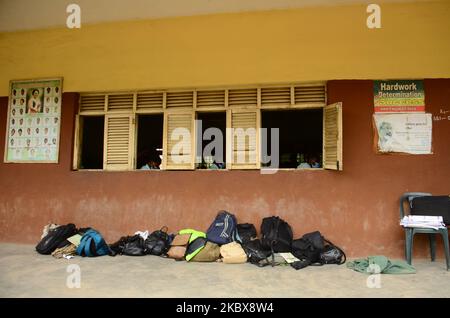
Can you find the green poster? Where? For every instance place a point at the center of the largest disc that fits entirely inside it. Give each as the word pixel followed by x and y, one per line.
pixel 402 96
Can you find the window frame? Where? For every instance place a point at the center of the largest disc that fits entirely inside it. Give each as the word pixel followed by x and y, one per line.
pixel 293 96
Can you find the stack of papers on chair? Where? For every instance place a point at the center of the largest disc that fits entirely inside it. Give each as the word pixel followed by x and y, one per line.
pixel 428 221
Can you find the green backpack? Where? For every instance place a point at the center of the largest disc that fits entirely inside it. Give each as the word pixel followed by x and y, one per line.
pixel 196 243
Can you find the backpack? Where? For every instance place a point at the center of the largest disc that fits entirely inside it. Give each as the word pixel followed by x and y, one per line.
pixel 308 247
pixel 56 238
pixel 245 232
pixel 223 228
pixel 134 246
pixel 92 244
pixel 256 254
pixel 314 249
pixel 332 254
pixel 209 253
pixel 276 235
pixel 158 242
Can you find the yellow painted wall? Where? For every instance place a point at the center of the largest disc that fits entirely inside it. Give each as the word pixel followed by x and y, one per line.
pixel 229 49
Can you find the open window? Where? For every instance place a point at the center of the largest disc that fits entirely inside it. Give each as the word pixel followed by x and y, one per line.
pixel 332 135
pixel 211 140
pixel 149 141
pixel 300 137
pixel 89 142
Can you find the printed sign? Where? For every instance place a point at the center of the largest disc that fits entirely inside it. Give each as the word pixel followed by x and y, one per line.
pixel 399 96
pixel 34 116
pixel 405 133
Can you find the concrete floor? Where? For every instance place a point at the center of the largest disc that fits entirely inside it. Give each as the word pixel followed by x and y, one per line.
pixel 25 273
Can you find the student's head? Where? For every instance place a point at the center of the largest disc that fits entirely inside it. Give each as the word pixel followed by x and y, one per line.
pixel 20 131
pixel 14 111
pixel 35 93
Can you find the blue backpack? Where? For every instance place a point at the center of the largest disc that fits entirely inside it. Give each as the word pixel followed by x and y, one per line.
pixel 93 244
pixel 223 229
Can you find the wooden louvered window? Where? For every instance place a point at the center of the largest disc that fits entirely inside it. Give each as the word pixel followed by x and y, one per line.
pixel 332 137
pixel 243 148
pixel 242 97
pixel 93 103
pixel 148 101
pixel 183 99
pixel 310 95
pixel 276 96
pixel 119 136
pixel 178 141
pixel 211 99
pixel 120 102
pixel 168 110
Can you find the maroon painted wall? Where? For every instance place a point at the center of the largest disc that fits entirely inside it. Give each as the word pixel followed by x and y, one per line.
pixel 357 208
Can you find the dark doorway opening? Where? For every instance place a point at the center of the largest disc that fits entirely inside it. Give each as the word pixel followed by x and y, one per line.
pixel 300 136
pixel 149 143
pixel 217 158
pixel 92 142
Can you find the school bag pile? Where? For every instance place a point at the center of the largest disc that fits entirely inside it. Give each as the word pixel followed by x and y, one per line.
pixel 224 241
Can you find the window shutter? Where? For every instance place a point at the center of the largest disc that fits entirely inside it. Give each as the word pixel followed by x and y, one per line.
pixel 310 94
pixel 120 102
pixel 149 100
pixel 92 103
pixel 77 142
pixel 243 97
pixel 178 149
pixel 118 142
pixel 276 96
pixel 332 137
pixel 213 98
pixel 244 135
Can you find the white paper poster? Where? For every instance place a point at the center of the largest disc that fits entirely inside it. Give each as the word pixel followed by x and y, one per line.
pixel 405 133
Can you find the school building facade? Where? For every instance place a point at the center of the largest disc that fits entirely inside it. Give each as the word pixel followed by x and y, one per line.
pixel 238 61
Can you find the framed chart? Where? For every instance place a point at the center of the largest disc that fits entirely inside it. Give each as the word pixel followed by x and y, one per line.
pixel 34 119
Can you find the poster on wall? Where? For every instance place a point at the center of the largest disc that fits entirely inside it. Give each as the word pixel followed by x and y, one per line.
pixel 34 117
pixel 399 96
pixel 403 133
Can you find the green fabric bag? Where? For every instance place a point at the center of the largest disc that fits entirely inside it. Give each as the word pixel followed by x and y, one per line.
pixel 380 264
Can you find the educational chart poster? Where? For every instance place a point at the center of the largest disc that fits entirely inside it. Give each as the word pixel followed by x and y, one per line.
pixel 399 96
pixel 34 117
pixel 403 133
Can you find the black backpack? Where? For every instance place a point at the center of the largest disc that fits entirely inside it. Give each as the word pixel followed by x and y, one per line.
pixel 56 238
pixel 313 249
pixel 256 254
pixel 129 245
pixel 276 235
pixel 245 232
pixel 158 242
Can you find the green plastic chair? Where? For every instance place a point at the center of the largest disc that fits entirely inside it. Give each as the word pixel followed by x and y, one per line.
pixel 411 231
